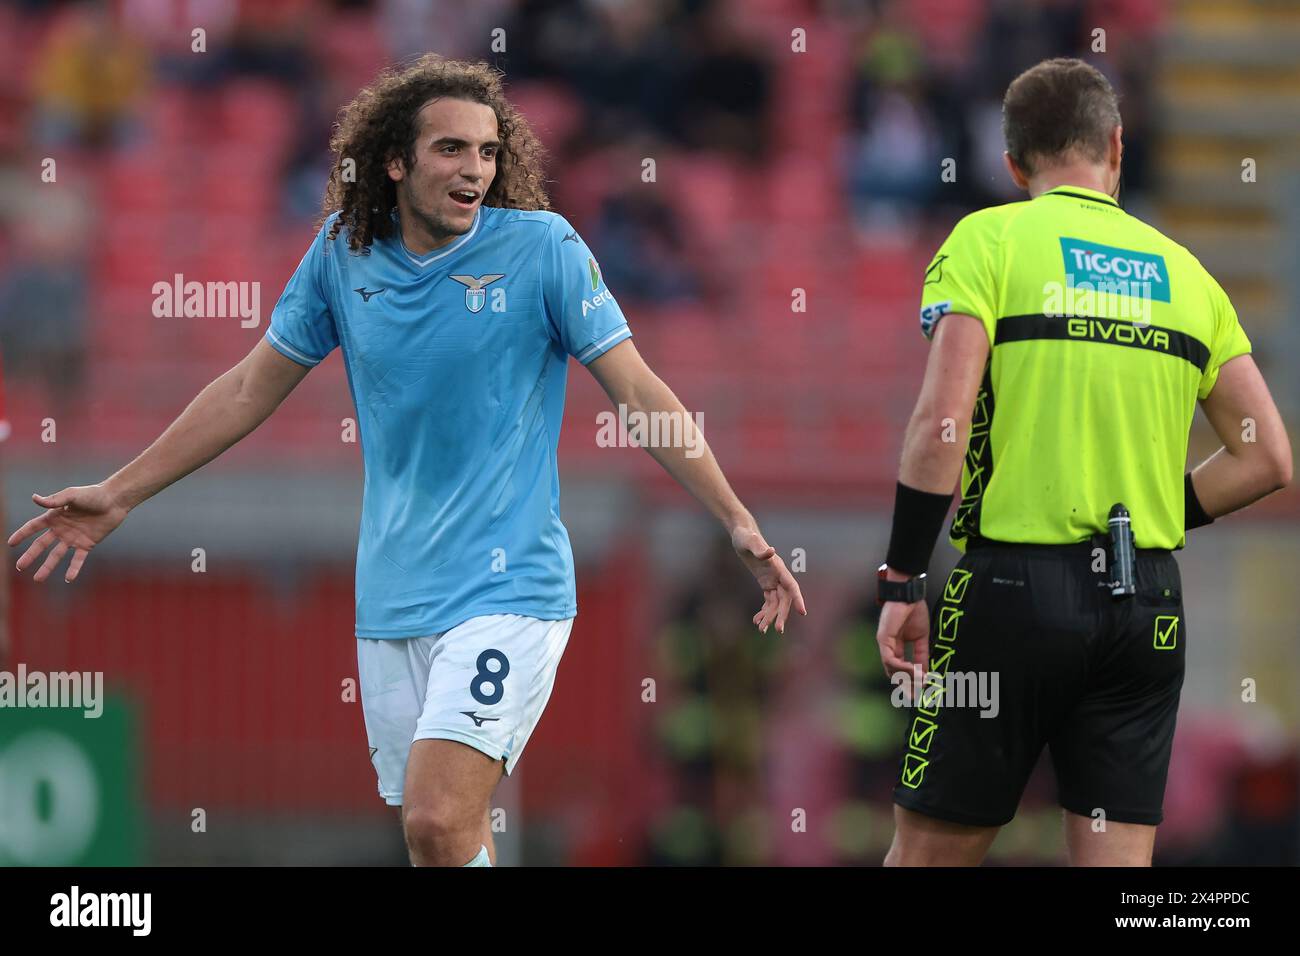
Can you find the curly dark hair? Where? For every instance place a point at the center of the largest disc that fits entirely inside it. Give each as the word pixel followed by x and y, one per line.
pixel 380 125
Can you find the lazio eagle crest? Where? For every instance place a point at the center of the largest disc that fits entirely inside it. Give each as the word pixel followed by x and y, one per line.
pixel 476 289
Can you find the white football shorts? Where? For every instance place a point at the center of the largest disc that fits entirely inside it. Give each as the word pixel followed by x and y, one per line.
pixel 484 682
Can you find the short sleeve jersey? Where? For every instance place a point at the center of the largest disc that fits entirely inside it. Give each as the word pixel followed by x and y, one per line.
pixel 457 362
pixel 1103 334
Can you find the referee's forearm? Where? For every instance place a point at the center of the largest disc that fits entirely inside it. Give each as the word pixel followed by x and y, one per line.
pixel 218 417
pixel 931 465
pixel 929 462
pixel 1225 482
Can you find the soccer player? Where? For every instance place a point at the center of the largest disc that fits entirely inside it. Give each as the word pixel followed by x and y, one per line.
pixel 457 299
pixel 1071 343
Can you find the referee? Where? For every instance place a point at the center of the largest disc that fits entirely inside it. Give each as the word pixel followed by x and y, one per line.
pixel 1071 343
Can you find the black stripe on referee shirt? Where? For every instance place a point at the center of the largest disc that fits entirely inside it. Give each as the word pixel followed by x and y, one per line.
pixel 1025 328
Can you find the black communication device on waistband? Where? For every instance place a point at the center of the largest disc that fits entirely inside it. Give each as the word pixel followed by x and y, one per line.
pixel 1121 552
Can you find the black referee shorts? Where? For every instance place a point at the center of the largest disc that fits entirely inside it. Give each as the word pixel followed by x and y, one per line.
pixel 1028 648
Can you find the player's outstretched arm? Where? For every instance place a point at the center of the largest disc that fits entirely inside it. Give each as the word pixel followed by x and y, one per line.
pixel 77 519
pixel 1254 461
pixel 630 383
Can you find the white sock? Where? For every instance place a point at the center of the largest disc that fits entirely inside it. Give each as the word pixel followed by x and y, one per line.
pixel 481 859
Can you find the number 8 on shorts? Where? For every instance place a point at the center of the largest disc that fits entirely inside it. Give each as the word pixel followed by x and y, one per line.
pixel 488 685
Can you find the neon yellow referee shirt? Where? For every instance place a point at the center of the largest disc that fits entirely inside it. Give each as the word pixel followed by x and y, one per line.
pixel 1103 335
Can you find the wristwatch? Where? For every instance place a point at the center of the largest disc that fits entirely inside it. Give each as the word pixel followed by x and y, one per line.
pixel 906 592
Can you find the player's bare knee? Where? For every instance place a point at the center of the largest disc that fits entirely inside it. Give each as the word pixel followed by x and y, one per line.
pixel 439 834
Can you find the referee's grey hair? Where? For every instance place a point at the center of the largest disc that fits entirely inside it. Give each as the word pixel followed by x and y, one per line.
pixel 1058 107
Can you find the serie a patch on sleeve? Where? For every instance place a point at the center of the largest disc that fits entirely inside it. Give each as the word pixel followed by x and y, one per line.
pixel 931 314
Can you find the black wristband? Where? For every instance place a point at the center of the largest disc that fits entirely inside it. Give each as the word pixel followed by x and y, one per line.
pixel 1194 516
pixel 918 519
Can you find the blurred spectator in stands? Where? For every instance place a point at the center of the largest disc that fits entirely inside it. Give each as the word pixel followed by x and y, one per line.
pixel 639 241
pixel 865 723
pixel 895 148
pixel 634 86
pixel 725 89
pixel 305 175
pixel 289 54
pixel 43 287
pixel 88 80
pixel 167 25
pixel 263 41
pixel 991 183
pixel 453 28
pixel 1019 33
pixel 1016 34
pixel 713 727
pixel 618 60
pixel 857 719
pixel 553 40
pixel 1134 79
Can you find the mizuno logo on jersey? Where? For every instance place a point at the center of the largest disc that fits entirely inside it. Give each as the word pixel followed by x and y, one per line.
pixel 1122 271
pixel 476 289
pixel 365 296
pixel 478 721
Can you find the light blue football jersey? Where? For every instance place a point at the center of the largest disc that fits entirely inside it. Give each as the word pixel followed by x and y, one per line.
pixel 457 362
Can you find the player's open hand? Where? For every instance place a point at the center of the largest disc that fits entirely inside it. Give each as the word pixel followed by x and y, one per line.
pixel 76 519
pixel 780 591
pixel 900 625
